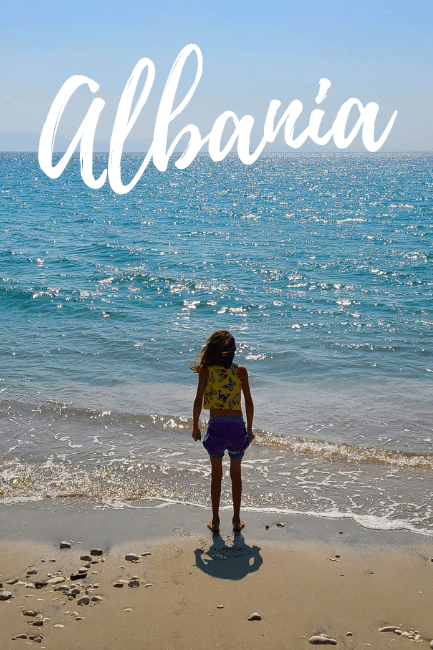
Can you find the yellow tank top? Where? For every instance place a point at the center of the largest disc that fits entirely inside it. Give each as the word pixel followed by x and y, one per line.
pixel 223 389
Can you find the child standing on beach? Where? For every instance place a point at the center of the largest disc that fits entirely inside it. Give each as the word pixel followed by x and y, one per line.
pixel 219 389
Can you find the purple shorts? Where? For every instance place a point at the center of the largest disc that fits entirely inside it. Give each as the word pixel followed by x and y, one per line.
pixel 229 433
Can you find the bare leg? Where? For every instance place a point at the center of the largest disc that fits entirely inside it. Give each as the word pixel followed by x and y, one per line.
pixel 215 491
pixel 235 474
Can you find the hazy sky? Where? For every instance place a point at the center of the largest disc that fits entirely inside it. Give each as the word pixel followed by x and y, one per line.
pixel 253 52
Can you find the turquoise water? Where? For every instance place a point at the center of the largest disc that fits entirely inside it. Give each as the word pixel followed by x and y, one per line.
pixel 319 264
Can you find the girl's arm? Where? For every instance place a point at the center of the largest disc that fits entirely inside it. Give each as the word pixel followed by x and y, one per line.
pixel 249 406
pixel 202 380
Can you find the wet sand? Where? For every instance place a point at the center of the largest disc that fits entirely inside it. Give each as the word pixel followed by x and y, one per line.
pixel 303 575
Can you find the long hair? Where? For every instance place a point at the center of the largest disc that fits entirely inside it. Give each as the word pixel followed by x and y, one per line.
pixel 219 350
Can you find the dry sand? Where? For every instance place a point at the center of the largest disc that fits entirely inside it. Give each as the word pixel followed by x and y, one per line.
pixel 299 587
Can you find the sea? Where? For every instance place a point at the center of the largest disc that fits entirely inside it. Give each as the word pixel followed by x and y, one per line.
pixel 319 264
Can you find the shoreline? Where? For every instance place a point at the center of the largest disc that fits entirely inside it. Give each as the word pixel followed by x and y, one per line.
pixel 50 521
pixel 304 575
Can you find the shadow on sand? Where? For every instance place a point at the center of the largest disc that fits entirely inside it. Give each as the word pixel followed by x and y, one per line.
pixel 229 562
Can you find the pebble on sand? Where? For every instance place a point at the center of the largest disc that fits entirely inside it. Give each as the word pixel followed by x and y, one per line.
pixel 32 571
pixel 19 636
pixel 12 581
pixel 5 595
pixel 65 544
pixel 322 639
pixel 30 612
pixel 95 551
pixel 389 628
pixel 349 633
pixel 85 600
pixel 431 642
pixel 118 584
pixel 86 558
pixel 96 599
pixel 220 606
pixel 134 583
pixel 255 617
pixel 58 625
pixel 149 553
pixel 132 557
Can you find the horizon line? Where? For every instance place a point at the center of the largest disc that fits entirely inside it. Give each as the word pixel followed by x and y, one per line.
pixel 265 153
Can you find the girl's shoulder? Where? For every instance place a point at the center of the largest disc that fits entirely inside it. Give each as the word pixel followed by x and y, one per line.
pixel 204 372
pixel 241 371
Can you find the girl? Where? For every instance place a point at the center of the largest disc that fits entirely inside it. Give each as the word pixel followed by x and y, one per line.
pixel 219 389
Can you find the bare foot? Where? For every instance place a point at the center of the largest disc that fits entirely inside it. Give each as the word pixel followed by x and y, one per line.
pixel 238 524
pixel 214 525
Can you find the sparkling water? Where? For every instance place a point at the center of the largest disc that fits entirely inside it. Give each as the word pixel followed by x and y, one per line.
pixel 319 264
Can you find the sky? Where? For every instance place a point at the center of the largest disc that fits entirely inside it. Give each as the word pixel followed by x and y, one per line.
pixel 253 52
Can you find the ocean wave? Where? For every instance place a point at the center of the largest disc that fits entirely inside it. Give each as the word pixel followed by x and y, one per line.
pixel 58 412
pixel 337 451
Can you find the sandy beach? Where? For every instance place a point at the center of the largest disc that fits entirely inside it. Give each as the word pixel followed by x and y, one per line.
pixel 305 576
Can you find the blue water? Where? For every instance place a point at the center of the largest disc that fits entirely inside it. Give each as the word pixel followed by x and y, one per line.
pixel 319 264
